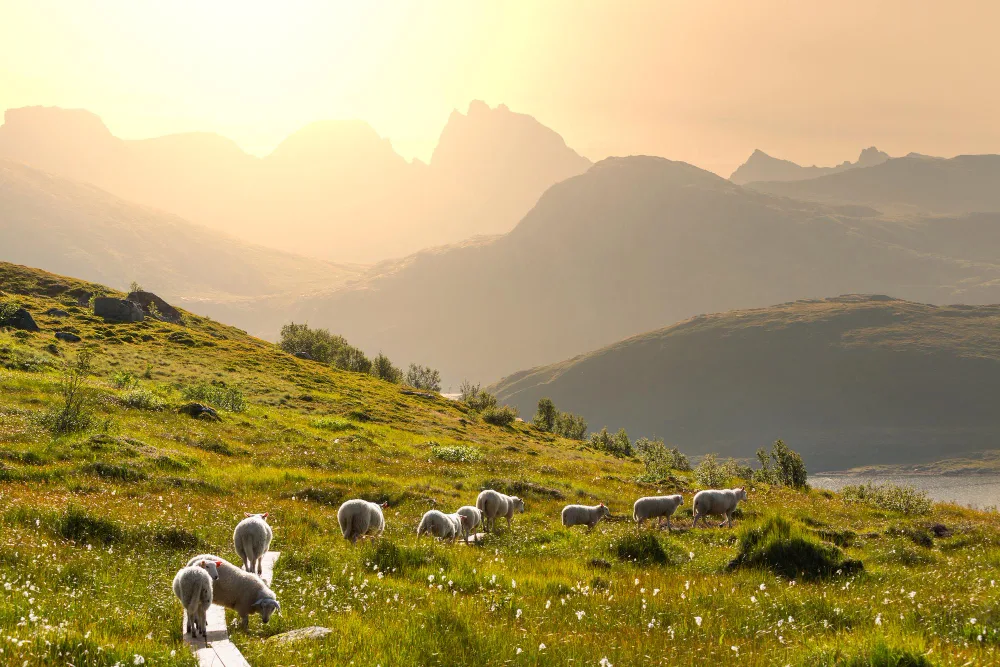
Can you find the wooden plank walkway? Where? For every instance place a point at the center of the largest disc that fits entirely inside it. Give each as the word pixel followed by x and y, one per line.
pixel 216 650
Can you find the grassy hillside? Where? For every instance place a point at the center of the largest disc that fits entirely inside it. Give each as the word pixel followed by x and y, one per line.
pixel 848 381
pixel 94 523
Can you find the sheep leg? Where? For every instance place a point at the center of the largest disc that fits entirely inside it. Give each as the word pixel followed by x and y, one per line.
pixel 669 527
pixel 695 523
pixel 259 568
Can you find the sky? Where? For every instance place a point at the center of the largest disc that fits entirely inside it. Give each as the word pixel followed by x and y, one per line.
pixel 705 82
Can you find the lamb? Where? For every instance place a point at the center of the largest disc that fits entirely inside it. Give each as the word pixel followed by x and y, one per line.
pixel 439 524
pixel 252 539
pixel 473 518
pixel 494 504
pixel 652 507
pixel 578 515
pixel 242 591
pixel 718 503
pixel 193 587
pixel 358 518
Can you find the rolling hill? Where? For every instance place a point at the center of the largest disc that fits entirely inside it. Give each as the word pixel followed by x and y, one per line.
pixel 966 183
pixel 847 381
pixel 762 167
pixel 334 189
pixel 637 243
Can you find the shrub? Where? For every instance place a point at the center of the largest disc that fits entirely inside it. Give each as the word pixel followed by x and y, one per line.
pixel 617 445
pixel 142 399
pixel 545 415
pixel 658 459
pixel 383 369
pixel 75 524
pixel 217 395
pixel 123 380
pixel 889 496
pixel 503 415
pixel 24 359
pixel 76 412
pixel 712 474
pixel 456 453
pixel 423 377
pixel 781 466
pixel 122 473
pixel 641 549
pixel 323 346
pixel 787 550
pixel 570 426
pixel 334 424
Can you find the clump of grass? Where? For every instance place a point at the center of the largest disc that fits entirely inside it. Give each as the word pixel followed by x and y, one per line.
pixel 330 497
pixel 879 654
pixel 142 399
pixel 389 557
pixel 521 487
pixel 77 525
pixel 122 473
pixel 641 549
pixel 215 446
pixel 123 380
pixel 333 424
pixel 217 395
pixel 893 497
pixel 456 453
pixel 788 550
pixel 21 359
pixel 177 539
pixel 503 415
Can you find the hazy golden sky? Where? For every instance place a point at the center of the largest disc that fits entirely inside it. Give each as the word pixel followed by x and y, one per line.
pixel 702 81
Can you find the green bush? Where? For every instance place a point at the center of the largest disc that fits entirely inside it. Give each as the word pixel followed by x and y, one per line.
pixel 545 415
pixel 617 445
pixel 142 399
pixel 333 424
pixel 788 550
pixel 888 496
pixel 76 412
pixel 383 369
pixel 423 377
pixel 456 453
pixel 713 474
pixel 658 459
pixel 218 395
pixel 323 346
pixel 499 416
pixel 476 398
pixel 781 466
pixel 123 380
pixel 549 419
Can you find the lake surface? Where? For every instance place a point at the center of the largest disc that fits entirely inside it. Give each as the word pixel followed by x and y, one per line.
pixel 980 491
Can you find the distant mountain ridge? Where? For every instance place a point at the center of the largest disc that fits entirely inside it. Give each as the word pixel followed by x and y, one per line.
pixel 846 381
pixel 334 189
pixel 762 167
pixel 638 242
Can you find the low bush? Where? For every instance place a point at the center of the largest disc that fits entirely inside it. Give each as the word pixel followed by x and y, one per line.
pixel 123 380
pixel 423 377
pixel 217 395
pixel 456 453
pixel 788 550
pixel 333 424
pixel 618 445
pixel 76 412
pixel 713 474
pixel 889 496
pixel 383 369
pixel 142 399
pixel 503 415
pixel 781 466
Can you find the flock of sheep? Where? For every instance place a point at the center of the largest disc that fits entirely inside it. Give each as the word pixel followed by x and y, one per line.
pixel 207 578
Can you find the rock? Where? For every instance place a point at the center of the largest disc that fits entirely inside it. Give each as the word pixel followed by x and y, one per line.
pixel 312 632
pixel 304 355
pixel 940 530
pixel 19 319
pixel 199 411
pixel 56 312
pixel 67 336
pixel 154 306
pixel 120 310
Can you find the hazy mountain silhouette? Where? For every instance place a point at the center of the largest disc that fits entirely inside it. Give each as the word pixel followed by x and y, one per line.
pixel 762 167
pixel 845 381
pixel 334 189
pixel 77 229
pixel 915 182
pixel 633 244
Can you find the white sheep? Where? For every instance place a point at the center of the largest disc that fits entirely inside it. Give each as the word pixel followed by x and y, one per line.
pixel 494 504
pixel 358 518
pixel 584 515
pixel 473 519
pixel 252 539
pixel 717 503
pixel 652 507
pixel 242 591
pixel 439 524
pixel 193 587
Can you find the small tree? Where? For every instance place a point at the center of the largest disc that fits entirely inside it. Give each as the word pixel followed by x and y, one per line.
pixel 135 287
pixel 350 358
pixel 618 445
pixel 710 473
pixel 781 466
pixel 75 413
pixel 546 415
pixel 570 426
pixel 659 459
pixel 383 369
pixel 477 399
pixel 423 377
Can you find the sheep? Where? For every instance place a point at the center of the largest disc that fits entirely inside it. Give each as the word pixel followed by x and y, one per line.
pixel 578 515
pixel 193 587
pixel 252 539
pixel 652 507
pixel 717 502
pixel 242 591
pixel 494 504
pixel 473 518
pixel 439 524
pixel 358 518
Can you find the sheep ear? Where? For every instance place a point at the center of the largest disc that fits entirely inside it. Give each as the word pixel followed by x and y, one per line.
pixel 264 515
pixel 247 515
pixel 384 504
pixel 218 563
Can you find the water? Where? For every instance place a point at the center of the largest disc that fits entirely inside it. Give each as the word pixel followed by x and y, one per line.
pixel 980 491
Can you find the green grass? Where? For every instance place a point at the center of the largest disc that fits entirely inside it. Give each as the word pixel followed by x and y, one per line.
pixel 95 523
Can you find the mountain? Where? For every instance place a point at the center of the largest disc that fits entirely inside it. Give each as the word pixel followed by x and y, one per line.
pixel 636 243
pixel 762 167
pixel 79 229
pixel 846 381
pixel 334 189
pixel 965 183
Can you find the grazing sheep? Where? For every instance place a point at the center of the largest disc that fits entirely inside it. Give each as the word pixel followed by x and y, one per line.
pixel 439 524
pixel 579 515
pixel 473 519
pixel 494 504
pixel 652 507
pixel 193 587
pixel 252 539
pixel 358 518
pixel 717 503
pixel 242 591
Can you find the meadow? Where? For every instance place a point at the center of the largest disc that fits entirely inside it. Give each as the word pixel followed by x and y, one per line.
pixel 96 520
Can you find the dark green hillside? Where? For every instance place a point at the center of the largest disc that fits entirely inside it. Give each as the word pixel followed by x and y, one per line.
pixel 848 381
